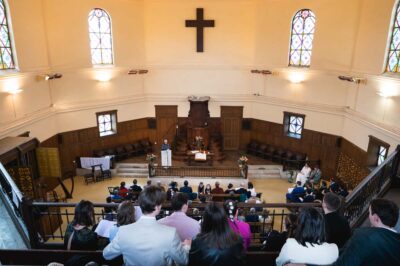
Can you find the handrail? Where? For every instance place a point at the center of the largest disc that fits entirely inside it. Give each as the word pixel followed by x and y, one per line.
pixel 192 205
pixel 360 186
pixel 371 187
pixel 14 202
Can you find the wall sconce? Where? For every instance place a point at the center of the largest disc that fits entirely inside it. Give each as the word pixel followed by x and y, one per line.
pixel 53 76
pixel 264 72
pixel 49 76
pixel 132 72
pixel 143 71
pixel 351 79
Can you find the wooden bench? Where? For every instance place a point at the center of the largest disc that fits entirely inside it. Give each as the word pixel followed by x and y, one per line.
pixel 45 256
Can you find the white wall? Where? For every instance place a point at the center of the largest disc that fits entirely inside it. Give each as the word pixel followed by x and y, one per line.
pixel 350 39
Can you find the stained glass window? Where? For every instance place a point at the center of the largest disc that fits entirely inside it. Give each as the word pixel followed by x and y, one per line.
pixel 107 123
pixel 6 52
pixel 393 63
pixel 303 27
pixel 100 37
pixel 381 155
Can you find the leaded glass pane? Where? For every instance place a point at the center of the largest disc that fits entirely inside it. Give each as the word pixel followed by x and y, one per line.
pixel 295 126
pixel 101 127
pixel 101 119
pixel 303 28
pixel 6 55
pixel 393 60
pixel 100 37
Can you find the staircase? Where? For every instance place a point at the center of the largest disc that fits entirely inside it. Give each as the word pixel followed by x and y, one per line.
pixel 265 171
pixel 131 169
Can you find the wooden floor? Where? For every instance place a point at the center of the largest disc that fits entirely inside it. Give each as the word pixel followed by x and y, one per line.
pixel 273 189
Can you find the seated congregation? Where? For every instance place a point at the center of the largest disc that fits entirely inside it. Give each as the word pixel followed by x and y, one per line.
pixel 309 186
pixel 136 235
pixel 202 194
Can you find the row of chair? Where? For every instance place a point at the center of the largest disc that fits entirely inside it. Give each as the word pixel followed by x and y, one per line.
pixel 97 174
pixel 276 154
pixel 121 152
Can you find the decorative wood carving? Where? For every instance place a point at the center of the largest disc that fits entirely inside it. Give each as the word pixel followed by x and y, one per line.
pixel 198 119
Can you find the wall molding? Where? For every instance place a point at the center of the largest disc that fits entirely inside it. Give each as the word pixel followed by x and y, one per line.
pixel 345 112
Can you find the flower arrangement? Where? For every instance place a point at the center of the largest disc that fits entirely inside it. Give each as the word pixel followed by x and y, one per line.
pixel 151 158
pixel 242 161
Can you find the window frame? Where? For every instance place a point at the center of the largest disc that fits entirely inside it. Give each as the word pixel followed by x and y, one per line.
pixel 101 64
pixel 301 46
pixel 286 125
pixel 114 123
pixel 373 152
pixel 395 15
pixel 10 35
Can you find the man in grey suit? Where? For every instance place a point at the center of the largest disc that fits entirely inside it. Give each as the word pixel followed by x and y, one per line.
pixel 147 242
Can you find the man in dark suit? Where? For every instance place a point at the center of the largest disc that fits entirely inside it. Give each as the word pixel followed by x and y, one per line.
pixel 337 227
pixel 186 188
pixel 135 187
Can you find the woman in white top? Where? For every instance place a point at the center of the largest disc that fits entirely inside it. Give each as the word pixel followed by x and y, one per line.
pixel 308 244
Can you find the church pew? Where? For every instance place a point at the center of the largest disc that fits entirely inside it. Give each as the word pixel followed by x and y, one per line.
pixel 45 256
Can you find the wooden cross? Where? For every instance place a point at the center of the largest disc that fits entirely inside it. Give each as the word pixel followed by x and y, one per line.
pixel 200 24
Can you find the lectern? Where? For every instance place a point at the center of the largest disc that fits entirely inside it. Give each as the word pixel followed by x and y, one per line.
pixel 166 159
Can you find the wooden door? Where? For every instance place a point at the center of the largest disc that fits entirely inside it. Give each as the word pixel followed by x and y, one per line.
pixel 231 123
pixel 167 119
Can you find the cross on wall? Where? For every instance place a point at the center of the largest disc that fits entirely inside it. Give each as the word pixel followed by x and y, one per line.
pixel 200 24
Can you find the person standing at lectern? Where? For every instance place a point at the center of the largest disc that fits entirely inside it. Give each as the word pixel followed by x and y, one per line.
pixel 165 146
pixel 165 154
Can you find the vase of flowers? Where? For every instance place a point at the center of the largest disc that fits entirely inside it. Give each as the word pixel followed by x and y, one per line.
pixel 151 160
pixel 243 165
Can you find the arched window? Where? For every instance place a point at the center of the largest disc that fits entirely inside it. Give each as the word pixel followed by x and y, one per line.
pixel 303 27
pixel 100 37
pixel 6 50
pixel 393 61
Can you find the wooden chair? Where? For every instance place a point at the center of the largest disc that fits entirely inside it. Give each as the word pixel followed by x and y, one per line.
pixel 105 174
pixel 90 178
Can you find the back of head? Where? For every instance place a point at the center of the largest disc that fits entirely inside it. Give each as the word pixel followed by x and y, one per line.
pixel 149 198
pixel 215 229
pixel 126 213
pixel 148 182
pixel 217 184
pixel 230 207
pixel 186 183
pixel 83 213
pixel 134 181
pixel 387 211
pixel 310 227
pixel 298 183
pixel 178 200
pixel 250 185
pixel 230 186
pixel 122 184
pixel 332 201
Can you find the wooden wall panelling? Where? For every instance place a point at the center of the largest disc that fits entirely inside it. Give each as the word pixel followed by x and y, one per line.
pixel 167 119
pixel 231 126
